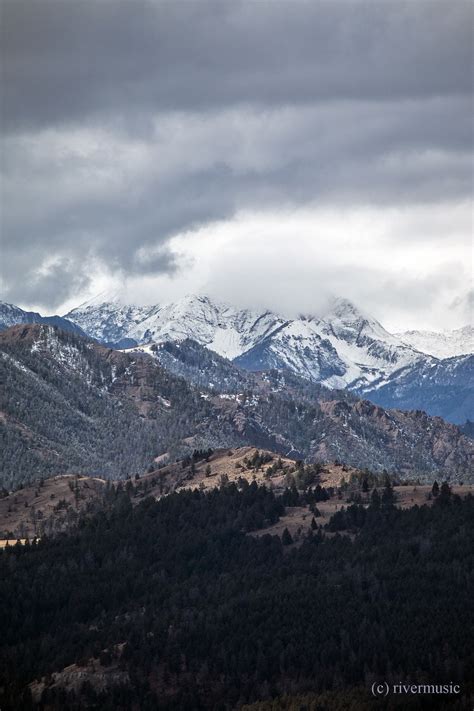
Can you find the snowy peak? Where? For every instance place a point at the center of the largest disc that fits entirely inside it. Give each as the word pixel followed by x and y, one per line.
pixel 108 321
pixel 344 310
pixel 369 352
pixel 104 297
pixel 446 344
pixel 296 346
pixel 346 321
pixel 220 327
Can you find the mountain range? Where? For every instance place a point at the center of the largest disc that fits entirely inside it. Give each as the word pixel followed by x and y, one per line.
pixel 342 348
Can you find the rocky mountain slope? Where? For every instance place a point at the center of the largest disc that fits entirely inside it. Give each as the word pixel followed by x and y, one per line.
pixel 70 405
pixel 445 387
pixel 446 344
pixel 199 366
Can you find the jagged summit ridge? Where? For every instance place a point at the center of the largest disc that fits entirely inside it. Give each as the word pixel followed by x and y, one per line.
pixel 223 328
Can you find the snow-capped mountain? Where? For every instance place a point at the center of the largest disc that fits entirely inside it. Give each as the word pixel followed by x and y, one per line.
pixel 446 344
pixel 343 348
pixel 368 351
pixel 222 328
pixel 298 347
pixel 108 320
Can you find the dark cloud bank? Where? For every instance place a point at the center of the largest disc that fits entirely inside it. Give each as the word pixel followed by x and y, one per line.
pixel 125 123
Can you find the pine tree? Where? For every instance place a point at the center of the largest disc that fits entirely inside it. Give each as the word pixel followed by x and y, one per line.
pixel 375 499
pixel 388 496
pixel 435 489
pixel 286 538
pixel 444 493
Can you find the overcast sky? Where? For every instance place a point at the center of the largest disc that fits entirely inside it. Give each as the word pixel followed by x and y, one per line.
pixel 267 153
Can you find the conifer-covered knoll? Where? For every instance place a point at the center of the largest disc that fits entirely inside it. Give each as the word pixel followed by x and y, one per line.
pixel 172 605
pixel 71 405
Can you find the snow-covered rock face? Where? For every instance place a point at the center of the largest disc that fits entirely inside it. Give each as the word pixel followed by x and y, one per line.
pixel 369 351
pixel 11 315
pixel 108 321
pixel 441 345
pixel 297 347
pixel 343 348
pixel 222 328
pixel 439 387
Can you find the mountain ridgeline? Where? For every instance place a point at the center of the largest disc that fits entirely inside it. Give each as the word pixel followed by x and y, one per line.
pixel 71 405
pixel 11 315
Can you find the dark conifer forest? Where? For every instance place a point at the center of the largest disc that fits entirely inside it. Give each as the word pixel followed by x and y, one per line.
pixel 186 609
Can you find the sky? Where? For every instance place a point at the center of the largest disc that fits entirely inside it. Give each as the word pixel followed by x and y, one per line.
pixel 267 153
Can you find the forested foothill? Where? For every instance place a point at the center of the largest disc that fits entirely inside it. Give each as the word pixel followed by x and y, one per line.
pixel 171 604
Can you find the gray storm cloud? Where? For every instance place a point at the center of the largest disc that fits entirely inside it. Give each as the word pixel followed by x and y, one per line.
pixel 126 123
